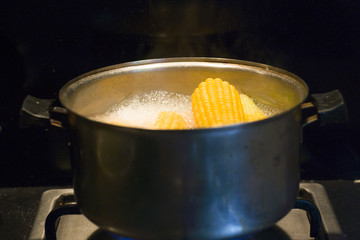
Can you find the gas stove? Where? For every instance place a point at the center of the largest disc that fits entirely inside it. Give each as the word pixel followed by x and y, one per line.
pixel 312 218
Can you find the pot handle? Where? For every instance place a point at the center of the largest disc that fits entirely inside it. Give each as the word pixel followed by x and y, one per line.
pixel 330 108
pixel 42 112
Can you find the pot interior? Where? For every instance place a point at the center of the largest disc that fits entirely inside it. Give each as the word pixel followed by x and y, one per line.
pixel 96 91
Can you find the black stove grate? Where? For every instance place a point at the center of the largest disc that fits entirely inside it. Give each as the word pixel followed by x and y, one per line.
pixel 73 209
pixel 311 219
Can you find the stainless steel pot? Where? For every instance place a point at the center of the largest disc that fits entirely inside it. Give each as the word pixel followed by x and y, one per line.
pixel 211 183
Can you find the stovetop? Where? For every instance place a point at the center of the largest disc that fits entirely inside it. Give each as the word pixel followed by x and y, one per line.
pixel 312 208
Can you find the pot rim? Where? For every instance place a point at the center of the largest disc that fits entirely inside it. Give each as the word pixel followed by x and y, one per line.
pixel 84 78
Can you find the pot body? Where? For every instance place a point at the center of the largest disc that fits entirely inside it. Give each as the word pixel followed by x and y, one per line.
pixel 184 184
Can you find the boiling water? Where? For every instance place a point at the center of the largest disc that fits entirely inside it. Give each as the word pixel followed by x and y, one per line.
pixel 267 109
pixel 142 110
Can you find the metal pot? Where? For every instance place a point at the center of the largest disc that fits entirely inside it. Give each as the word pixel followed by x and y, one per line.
pixel 211 183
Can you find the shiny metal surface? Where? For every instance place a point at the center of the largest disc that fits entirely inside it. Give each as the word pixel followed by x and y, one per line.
pixel 185 184
pixel 96 91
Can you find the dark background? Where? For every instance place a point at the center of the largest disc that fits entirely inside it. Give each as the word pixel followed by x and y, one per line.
pixel 44 44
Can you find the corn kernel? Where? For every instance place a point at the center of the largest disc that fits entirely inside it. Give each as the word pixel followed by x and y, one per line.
pixel 170 120
pixel 251 111
pixel 215 102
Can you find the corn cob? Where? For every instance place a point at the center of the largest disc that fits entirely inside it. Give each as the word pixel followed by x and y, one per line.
pixel 251 111
pixel 170 120
pixel 215 102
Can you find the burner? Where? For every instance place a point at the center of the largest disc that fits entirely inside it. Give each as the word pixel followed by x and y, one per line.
pixel 311 219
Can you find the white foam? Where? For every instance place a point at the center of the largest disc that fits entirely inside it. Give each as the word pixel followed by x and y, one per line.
pixel 142 110
pixel 267 109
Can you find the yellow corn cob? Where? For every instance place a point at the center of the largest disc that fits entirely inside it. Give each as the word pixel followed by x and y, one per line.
pixel 215 102
pixel 251 111
pixel 170 120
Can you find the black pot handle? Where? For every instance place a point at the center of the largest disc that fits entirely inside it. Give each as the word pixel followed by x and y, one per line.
pixel 42 112
pixel 329 108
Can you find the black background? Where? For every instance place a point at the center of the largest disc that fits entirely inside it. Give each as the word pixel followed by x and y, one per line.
pixel 44 44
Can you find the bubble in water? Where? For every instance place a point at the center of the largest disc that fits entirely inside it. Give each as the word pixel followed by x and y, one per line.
pixel 267 109
pixel 142 110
